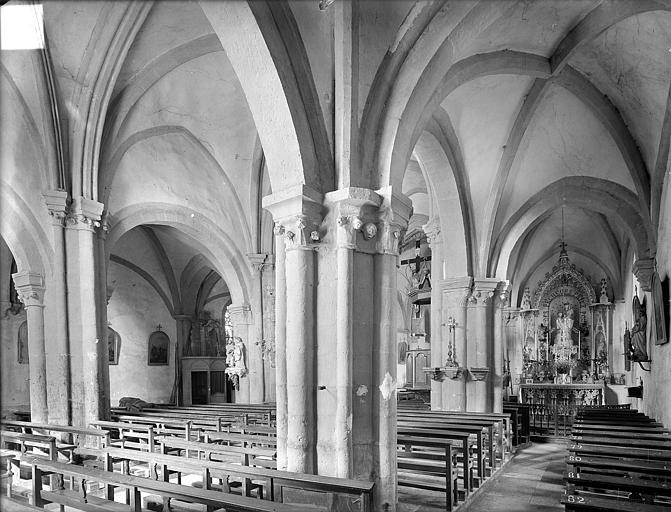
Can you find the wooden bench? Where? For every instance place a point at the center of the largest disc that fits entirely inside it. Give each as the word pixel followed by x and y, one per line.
pixel 616 483
pixel 578 502
pixel 426 470
pixel 273 482
pixel 62 433
pixel 129 435
pixel 484 436
pixel 80 500
pixel 12 505
pixel 580 449
pixel 660 444
pixel 613 465
pixel 462 444
pixel 245 455
pixel 241 439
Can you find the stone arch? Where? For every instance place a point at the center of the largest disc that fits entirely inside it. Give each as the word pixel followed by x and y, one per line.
pixel 591 194
pixel 192 143
pixel 267 65
pixel 218 246
pixel 453 212
pixel 23 233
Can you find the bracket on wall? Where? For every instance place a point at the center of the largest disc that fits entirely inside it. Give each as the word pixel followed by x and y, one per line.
pixel 478 373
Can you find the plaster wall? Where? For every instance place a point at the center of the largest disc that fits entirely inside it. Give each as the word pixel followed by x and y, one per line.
pixel 134 311
pixel 657 383
pixel 15 389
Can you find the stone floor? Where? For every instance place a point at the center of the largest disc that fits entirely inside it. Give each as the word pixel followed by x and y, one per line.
pixel 531 481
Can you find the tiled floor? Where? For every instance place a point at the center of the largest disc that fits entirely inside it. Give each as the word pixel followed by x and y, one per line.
pixel 532 481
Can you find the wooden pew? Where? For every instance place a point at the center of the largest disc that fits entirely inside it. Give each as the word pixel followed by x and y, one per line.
pixel 494 429
pixel 273 482
pixel 425 470
pixel 245 455
pixel 614 465
pixel 502 419
pixel 461 442
pixel 241 439
pixel 82 434
pixel 80 500
pixel 577 501
pixel 129 435
pixel 483 443
pixel 12 505
pixel 580 449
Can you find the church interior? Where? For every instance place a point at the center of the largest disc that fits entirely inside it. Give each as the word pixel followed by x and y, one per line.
pixel 335 255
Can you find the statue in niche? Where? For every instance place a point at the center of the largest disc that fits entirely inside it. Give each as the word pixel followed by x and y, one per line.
pixel 235 360
pixel 639 345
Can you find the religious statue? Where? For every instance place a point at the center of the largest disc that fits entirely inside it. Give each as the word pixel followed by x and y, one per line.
pixel 565 326
pixel 639 344
pixel 235 360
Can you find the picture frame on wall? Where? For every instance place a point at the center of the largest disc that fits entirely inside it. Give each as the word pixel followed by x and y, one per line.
pixel 113 346
pixel 158 349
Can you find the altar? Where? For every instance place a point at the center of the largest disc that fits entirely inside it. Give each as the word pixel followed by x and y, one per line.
pixel 552 407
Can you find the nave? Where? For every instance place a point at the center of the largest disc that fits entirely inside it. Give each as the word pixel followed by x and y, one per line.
pixel 419 234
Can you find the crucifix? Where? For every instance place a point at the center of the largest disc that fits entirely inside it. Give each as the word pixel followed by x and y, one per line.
pixel 417 260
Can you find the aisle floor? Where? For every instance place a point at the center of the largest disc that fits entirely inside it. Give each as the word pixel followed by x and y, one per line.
pixel 530 482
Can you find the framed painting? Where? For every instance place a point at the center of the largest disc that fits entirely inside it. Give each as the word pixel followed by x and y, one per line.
pixel 158 348
pixel 113 346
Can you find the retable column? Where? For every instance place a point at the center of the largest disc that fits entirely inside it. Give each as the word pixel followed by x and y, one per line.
pixel 455 294
pixel 437 339
pixel 500 301
pixel 56 316
pixel 241 321
pixel 83 305
pixel 393 220
pixel 480 353
pixel 299 211
pixel 30 288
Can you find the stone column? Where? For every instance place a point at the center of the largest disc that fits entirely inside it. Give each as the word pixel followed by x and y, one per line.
pixel 480 350
pixel 500 301
pixel 56 316
pixel 104 296
pixel 437 337
pixel 268 322
pixel 30 288
pixel 349 207
pixel 455 294
pixel 280 346
pixel 241 321
pixel 183 328
pixel 299 212
pixel 256 366
pixel 393 220
pixel 83 310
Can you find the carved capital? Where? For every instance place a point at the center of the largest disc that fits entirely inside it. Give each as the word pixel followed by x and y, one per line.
pixel 483 291
pixel 85 214
pixel 352 211
pixel 643 270
pixel 299 211
pixel 57 204
pixel 501 294
pixel 457 290
pixel 257 261
pixel 432 230
pixel 393 216
pixel 241 314
pixel 30 288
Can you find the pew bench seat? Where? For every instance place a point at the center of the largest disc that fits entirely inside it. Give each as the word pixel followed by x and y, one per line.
pixel 581 502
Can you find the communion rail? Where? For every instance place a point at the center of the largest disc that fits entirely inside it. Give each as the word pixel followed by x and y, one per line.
pixel 554 406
